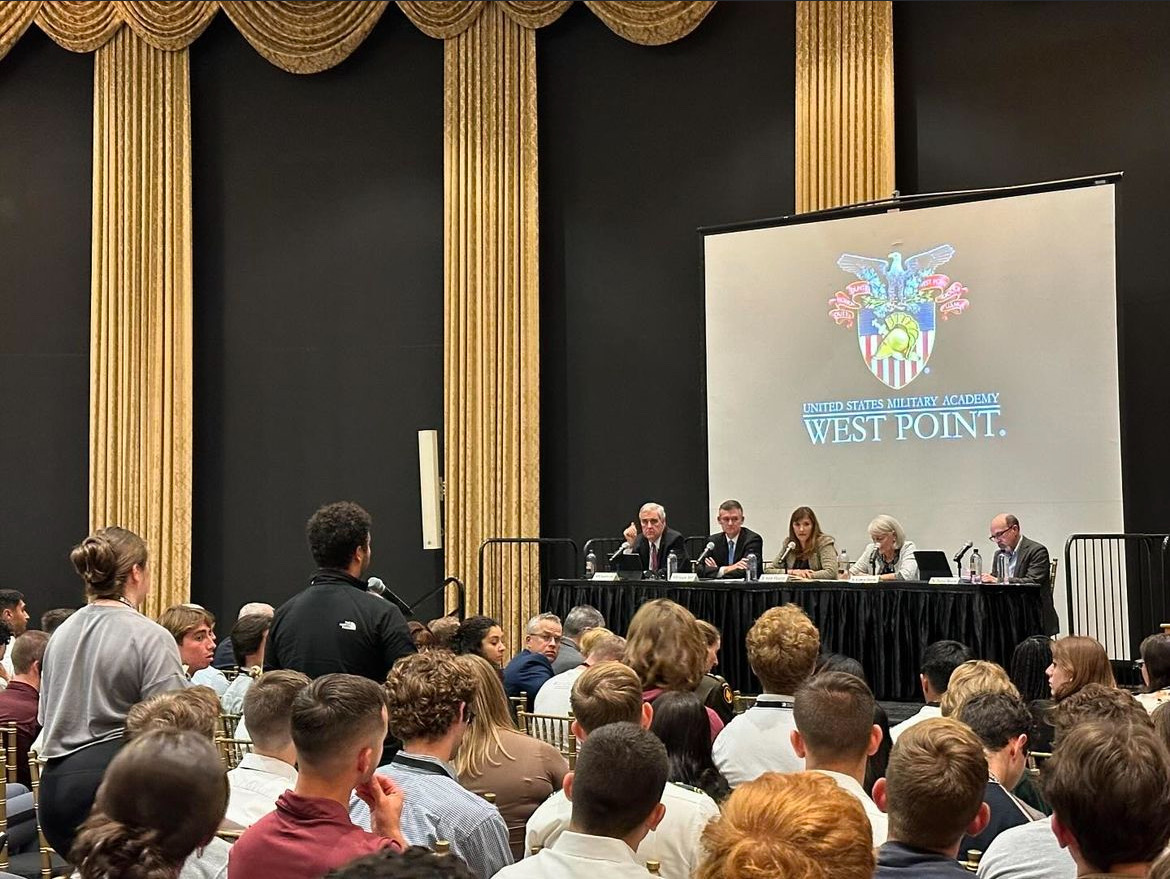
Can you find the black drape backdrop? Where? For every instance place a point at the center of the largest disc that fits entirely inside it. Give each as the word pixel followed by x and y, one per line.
pixel 46 168
pixel 318 204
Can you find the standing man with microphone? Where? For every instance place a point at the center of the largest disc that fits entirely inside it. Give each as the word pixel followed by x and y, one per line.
pixel 726 551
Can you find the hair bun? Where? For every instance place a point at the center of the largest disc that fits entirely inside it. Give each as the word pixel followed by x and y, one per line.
pixel 95 560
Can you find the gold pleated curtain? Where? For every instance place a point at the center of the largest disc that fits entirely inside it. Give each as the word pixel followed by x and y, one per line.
pixel 140 354
pixel 844 102
pixel 491 372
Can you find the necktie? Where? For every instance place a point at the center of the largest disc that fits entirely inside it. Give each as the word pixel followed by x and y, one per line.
pixel 653 557
pixel 731 552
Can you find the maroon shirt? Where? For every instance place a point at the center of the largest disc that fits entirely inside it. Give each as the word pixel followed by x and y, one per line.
pixel 304 838
pixel 18 705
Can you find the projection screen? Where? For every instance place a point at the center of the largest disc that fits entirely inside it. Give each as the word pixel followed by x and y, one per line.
pixel 941 364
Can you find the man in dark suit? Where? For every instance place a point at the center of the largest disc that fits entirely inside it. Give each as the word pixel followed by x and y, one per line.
pixel 733 544
pixel 656 542
pixel 1020 560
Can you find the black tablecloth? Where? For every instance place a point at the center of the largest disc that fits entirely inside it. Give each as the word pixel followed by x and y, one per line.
pixel 885 626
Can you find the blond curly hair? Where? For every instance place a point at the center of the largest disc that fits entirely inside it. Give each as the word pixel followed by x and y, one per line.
pixel 782 648
pixel 971 678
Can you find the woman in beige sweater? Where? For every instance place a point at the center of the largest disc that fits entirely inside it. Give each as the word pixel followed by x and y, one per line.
pixel 494 757
pixel 815 555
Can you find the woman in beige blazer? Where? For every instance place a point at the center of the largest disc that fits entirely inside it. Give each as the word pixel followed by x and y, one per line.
pixel 814 556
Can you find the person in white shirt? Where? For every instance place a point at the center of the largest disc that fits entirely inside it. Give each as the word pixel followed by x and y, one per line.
pixel 782 649
pixel 553 697
pixel 607 693
pixel 609 821
pixel 263 775
pixel 14 613
pixel 835 734
pixel 248 637
pixel 938 661
pixel 889 554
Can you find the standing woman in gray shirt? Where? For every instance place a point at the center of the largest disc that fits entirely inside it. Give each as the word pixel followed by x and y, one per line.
pixel 101 661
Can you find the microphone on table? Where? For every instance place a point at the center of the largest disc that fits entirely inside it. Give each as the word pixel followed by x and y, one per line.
pixel 625 545
pixel 787 549
pixel 958 559
pixel 706 552
pixel 378 587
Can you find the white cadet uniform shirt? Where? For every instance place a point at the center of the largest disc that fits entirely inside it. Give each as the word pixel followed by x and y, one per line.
pixel 758 741
pixel 675 844
pixel 926 712
pixel 579 856
pixel 254 786
pixel 878 821
pixel 553 697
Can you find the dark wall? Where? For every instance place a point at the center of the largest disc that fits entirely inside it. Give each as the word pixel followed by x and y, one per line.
pixel 318 305
pixel 991 94
pixel 46 142
pixel 638 147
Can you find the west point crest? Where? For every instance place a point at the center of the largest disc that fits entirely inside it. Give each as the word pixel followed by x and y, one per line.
pixel 894 305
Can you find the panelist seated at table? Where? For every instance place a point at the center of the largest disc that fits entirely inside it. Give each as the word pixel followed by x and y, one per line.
pixel 808 553
pixel 733 544
pixel 656 541
pixel 1020 560
pixel 890 555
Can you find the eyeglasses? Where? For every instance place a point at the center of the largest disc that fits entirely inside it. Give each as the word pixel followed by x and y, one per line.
pixel 541 636
pixel 996 535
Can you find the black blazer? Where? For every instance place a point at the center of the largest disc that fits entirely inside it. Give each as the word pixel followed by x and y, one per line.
pixel 669 540
pixel 747 542
pixel 1033 565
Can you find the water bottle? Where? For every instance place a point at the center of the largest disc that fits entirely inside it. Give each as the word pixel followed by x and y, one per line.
pixel 753 566
pixel 976 566
pixel 671 564
pixel 842 564
pixel 590 564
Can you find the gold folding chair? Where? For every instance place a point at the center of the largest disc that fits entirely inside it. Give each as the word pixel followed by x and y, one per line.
pixel 552 728
pixel 517 704
pixel 228 724
pixel 232 751
pixel 971 864
pixel 52 864
pixel 741 703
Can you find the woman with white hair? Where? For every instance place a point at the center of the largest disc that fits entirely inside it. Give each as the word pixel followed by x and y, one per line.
pixel 889 555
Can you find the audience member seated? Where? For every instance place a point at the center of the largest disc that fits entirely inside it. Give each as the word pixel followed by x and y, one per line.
pixel 1109 786
pixel 270 769
pixel 414 863
pixel 14 614
pixel 875 764
pixel 578 621
pixel 249 636
pixel 531 668
pixel 600 645
pixel 713 689
pixel 6 638
pixel 933 796
pixel 939 660
pixel 680 721
pixel 1001 721
pixel 20 701
pixel 1161 720
pixel 195 709
pixel 429 697
pixel 1077 661
pixel 609 820
pixel 480 635
pixel 225 654
pixel 668 651
pixel 782 648
pixel 443 631
pixel 973 677
pixel 1030 661
pixel 611 692
pixel 51 619
pixel 100 662
pixel 193 629
pixel 1155 653
pixel 1032 850
pixel 835 735
pixel 338 726
pixel 420 635
pixel 494 757
pixel 162 798
pixel 788 825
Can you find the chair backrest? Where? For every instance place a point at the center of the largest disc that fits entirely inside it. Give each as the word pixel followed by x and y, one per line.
pixel 47 853
pixel 9 732
pixel 228 724
pixel 695 545
pixel 232 751
pixel 971 864
pixel 516 704
pixel 741 703
pixel 4 795
pixel 553 729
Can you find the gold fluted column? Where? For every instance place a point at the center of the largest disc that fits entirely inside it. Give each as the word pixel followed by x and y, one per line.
pixel 491 315
pixel 844 102
pixel 140 319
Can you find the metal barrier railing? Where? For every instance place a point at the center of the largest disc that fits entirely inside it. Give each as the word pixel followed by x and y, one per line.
pixel 1116 588
pixel 540 542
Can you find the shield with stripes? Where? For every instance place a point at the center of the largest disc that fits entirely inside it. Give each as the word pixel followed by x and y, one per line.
pixel 896 345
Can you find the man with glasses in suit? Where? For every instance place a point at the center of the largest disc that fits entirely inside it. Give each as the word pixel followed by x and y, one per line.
pixel 1020 560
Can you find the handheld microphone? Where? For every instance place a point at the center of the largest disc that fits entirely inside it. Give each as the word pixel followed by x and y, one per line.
pixel 625 545
pixel 378 587
pixel 958 559
pixel 706 552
